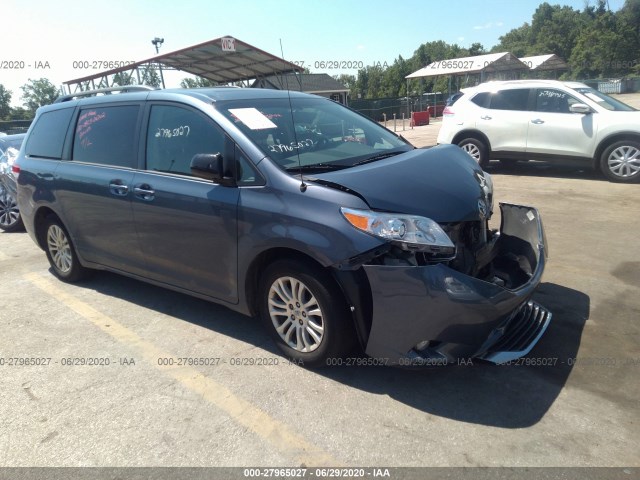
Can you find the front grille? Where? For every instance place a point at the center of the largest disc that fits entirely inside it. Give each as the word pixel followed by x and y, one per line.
pixel 521 334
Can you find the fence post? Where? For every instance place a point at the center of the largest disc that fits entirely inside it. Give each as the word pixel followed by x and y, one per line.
pixel 384 115
pixel 410 121
pixel 403 122
pixel 394 122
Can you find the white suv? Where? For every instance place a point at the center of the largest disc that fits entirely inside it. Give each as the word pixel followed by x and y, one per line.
pixel 546 120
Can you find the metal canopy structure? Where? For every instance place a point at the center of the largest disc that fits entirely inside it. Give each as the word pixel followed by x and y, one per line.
pixel 222 60
pixel 545 62
pixel 481 64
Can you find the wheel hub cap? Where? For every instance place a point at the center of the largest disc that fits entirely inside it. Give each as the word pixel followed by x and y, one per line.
pixel 59 248
pixel 295 314
pixel 624 161
pixel 9 213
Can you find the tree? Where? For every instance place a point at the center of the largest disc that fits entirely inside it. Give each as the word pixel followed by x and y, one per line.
pixel 197 82
pixel 123 79
pixel 5 103
pixel 516 41
pixel 149 76
pixel 37 93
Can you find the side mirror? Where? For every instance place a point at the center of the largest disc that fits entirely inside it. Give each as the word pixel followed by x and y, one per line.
pixel 580 108
pixel 208 166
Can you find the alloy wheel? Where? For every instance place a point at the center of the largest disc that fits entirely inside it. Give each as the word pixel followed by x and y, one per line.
pixel 624 161
pixel 9 213
pixel 59 248
pixel 296 314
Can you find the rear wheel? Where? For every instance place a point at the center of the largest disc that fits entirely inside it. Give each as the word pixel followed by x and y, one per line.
pixel 61 252
pixel 477 149
pixel 10 219
pixel 305 313
pixel 620 162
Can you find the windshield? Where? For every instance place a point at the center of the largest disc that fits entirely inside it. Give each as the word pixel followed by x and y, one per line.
pixel 605 101
pixel 312 134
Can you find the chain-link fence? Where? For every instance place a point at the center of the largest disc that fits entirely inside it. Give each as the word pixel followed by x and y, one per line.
pixel 14 126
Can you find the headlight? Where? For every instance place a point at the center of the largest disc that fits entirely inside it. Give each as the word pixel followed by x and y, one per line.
pixel 410 232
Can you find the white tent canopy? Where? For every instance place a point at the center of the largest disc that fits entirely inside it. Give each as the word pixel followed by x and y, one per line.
pixel 490 63
pixel 545 62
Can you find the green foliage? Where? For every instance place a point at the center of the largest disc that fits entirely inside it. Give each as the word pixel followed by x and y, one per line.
pixel 197 82
pixel 149 76
pixel 5 103
pixel 37 93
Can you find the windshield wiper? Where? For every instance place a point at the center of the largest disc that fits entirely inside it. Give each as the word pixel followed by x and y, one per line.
pixel 314 167
pixel 375 158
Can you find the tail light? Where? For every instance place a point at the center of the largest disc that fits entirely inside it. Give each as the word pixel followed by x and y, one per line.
pixel 15 169
pixel 448 111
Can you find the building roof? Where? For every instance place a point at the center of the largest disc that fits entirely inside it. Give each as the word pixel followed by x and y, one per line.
pixel 304 82
pixel 222 60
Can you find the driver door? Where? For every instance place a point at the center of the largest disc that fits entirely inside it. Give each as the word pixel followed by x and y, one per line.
pixel 187 226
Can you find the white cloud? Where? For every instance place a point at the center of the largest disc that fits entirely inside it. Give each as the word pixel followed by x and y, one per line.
pixel 488 25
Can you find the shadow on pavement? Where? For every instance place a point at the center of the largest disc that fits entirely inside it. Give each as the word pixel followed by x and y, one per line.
pixel 506 396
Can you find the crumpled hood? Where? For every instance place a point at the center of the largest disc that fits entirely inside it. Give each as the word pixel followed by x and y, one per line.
pixel 440 183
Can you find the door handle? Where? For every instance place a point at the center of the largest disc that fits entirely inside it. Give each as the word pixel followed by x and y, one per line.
pixel 144 192
pixel 485 117
pixel 116 187
pixel 537 121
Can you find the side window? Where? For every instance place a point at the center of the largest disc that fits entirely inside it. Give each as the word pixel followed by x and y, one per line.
pixel 106 135
pixel 482 99
pixel 514 99
pixel 246 173
pixel 555 101
pixel 175 135
pixel 47 137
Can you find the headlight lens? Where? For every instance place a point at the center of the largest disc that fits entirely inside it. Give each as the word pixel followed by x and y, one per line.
pixel 410 232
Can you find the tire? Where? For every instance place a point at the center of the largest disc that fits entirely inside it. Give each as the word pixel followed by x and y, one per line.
pixel 620 161
pixel 61 253
pixel 311 335
pixel 477 149
pixel 10 219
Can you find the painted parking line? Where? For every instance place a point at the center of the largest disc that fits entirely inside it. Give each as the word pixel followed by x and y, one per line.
pixel 243 412
pixel 3 257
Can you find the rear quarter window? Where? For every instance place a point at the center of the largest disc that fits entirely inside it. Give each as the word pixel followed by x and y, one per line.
pixel 482 99
pixel 48 133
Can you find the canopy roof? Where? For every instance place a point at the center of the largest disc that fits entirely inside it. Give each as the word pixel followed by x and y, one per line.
pixel 222 60
pixel 545 62
pixel 490 63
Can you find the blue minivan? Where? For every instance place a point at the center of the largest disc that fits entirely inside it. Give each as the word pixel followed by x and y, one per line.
pixel 291 207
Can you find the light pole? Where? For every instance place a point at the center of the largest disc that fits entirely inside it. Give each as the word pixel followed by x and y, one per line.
pixel 156 43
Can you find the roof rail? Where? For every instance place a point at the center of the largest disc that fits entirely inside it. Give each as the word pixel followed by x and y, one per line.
pixel 105 91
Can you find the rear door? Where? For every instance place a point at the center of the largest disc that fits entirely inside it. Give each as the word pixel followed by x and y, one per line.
pixel 506 120
pixel 94 187
pixel 187 226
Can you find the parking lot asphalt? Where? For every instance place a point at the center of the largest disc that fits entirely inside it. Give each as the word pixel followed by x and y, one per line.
pixel 176 381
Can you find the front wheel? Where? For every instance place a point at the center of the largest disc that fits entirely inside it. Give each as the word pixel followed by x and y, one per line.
pixel 476 149
pixel 305 313
pixel 61 252
pixel 620 162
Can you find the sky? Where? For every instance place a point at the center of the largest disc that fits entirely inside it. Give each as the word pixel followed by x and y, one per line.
pixel 41 38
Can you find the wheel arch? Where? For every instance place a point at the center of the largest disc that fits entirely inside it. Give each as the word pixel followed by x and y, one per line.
pixel 477 134
pixel 39 222
pixel 350 283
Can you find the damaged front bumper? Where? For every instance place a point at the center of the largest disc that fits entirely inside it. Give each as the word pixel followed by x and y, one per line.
pixel 433 314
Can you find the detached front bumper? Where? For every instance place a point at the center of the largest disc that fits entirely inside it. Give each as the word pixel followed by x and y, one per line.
pixel 433 314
